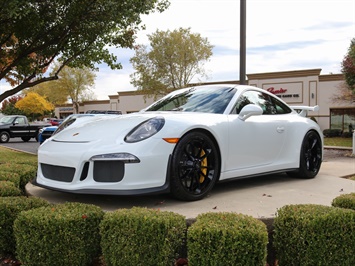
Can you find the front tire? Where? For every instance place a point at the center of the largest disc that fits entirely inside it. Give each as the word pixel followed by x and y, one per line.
pixel 195 167
pixel 4 137
pixel 310 157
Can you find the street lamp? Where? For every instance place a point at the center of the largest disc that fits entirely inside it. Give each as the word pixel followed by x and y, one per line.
pixel 242 49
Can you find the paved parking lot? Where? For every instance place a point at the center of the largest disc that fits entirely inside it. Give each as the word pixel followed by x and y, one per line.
pixel 18 144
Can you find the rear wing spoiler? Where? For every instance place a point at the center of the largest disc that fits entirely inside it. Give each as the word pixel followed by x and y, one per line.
pixel 302 110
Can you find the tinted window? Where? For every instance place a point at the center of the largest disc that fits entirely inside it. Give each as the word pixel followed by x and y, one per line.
pixel 269 104
pixel 203 99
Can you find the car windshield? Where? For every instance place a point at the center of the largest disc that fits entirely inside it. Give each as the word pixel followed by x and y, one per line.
pixel 200 99
pixel 6 119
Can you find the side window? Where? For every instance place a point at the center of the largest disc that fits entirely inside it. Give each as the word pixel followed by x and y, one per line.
pixel 281 108
pixel 269 104
pixel 20 120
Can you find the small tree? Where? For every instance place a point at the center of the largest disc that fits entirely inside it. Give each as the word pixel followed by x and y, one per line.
pixel 8 106
pixel 33 104
pixel 77 83
pixel 348 66
pixel 174 59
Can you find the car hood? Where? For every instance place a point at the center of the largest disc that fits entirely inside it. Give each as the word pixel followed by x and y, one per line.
pixel 102 128
pixel 115 128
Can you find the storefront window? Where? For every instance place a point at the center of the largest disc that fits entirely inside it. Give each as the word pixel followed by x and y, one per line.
pixel 342 118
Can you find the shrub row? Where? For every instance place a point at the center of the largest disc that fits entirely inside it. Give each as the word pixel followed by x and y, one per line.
pixel 329 133
pixel 75 234
pixel 332 133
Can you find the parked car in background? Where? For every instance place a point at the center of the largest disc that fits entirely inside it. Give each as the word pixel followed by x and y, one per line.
pixel 183 144
pixel 55 121
pixel 14 126
pixel 45 133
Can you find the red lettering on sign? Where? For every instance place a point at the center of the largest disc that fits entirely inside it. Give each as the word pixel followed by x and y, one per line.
pixel 272 90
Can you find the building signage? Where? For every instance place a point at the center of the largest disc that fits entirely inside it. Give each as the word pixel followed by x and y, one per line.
pixel 289 92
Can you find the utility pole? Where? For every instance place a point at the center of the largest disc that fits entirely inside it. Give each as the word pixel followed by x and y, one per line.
pixel 242 49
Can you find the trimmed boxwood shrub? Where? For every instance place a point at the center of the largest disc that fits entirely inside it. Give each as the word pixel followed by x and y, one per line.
pixel 8 189
pixel 141 236
pixel 25 171
pixel 11 177
pixel 346 201
pixel 314 235
pixel 227 239
pixel 64 234
pixel 10 207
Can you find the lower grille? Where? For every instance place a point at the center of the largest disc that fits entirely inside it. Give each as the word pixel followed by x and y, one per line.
pixel 108 171
pixel 58 173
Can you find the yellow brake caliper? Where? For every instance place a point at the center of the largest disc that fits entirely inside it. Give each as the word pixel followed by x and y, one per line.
pixel 203 167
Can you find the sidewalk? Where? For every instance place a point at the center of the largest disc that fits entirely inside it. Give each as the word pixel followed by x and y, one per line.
pixel 259 197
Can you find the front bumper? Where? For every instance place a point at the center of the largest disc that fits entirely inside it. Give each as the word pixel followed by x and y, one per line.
pixel 103 168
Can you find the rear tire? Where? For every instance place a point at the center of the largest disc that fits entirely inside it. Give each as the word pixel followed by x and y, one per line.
pixel 195 167
pixel 4 137
pixel 310 157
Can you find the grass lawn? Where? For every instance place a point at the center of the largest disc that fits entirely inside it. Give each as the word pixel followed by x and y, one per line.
pixel 7 155
pixel 337 141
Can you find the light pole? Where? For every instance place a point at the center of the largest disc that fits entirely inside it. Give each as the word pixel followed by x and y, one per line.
pixel 242 49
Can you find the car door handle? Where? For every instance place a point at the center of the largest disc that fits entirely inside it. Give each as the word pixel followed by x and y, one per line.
pixel 280 129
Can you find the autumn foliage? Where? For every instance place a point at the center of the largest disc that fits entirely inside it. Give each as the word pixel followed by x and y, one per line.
pixel 33 103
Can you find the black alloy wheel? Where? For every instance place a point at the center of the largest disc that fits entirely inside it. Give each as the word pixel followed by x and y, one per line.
pixel 311 156
pixel 195 166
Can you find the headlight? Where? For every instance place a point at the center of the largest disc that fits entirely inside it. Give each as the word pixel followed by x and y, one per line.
pixel 145 130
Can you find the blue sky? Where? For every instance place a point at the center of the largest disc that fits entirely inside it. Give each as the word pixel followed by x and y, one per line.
pixel 281 35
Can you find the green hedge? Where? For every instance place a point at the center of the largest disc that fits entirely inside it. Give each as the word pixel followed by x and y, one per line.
pixel 315 235
pixel 346 201
pixel 10 207
pixel 332 133
pixel 227 239
pixel 7 175
pixel 141 236
pixel 21 172
pixel 9 189
pixel 64 234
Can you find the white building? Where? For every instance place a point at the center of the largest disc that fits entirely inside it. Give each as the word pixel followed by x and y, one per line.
pixel 299 87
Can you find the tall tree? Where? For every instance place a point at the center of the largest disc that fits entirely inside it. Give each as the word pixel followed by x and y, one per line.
pixel 54 94
pixel 174 59
pixel 8 106
pixel 33 104
pixel 77 84
pixel 348 67
pixel 34 33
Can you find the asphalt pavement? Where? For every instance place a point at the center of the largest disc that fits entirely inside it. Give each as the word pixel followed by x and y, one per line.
pixel 259 197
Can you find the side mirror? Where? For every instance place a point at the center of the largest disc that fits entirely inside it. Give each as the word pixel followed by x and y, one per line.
pixel 250 110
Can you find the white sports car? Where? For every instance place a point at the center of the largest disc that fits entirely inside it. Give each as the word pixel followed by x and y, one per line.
pixel 183 143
